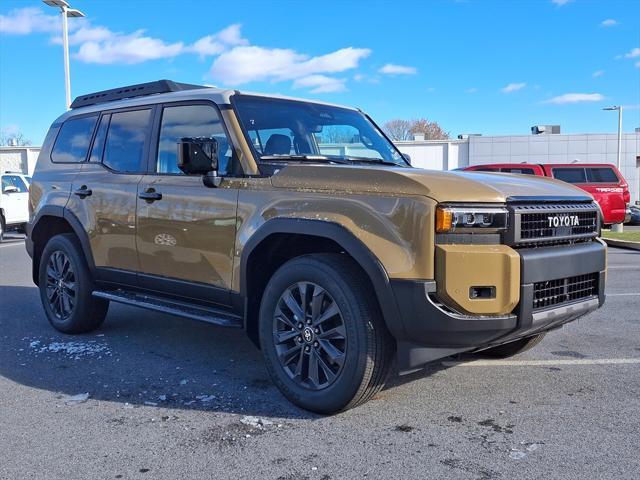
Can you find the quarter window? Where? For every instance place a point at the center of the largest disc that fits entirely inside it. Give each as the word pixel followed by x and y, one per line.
pixel 73 140
pixel 124 146
pixel 191 121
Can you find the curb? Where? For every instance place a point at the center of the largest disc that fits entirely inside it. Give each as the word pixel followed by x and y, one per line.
pixel 622 243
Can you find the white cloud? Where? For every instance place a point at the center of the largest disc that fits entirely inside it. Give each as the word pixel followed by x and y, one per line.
pixel 561 3
pixel 393 69
pixel 575 98
pixel 597 73
pixel 23 21
pixel 471 90
pixel 634 53
pixel 251 63
pixel 218 43
pixel 609 22
pixel 513 87
pixel 127 49
pixel 321 84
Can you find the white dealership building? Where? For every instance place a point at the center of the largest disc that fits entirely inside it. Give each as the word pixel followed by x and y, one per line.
pixel 472 150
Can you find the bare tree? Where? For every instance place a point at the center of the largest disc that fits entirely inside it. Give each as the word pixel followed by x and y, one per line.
pixel 399 129
pixel 430 130
pixel 13 138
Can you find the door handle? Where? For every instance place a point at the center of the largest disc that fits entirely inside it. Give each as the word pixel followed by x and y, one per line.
pixel 83 191
pixel 150 195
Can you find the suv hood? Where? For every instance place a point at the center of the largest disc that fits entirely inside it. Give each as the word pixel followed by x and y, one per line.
pixel 457 186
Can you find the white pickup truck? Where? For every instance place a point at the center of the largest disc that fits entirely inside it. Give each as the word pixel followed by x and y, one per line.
pixel 14 202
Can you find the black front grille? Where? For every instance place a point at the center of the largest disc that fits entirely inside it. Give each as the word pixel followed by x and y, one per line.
pixel 536 225
pixel 543 223
pixel 563 290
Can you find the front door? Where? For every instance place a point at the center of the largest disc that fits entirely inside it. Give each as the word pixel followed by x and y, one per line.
pixel 185 230
pixel 15 199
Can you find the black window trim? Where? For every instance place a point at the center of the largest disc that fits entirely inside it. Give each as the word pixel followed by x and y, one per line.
pixel 155 138
pixel 93 132
pixel 145 151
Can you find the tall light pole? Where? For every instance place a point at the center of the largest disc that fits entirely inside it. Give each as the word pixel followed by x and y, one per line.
pixel 66 11
pixel 617 227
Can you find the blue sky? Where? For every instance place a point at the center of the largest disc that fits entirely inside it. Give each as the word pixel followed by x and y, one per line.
pixel 491 67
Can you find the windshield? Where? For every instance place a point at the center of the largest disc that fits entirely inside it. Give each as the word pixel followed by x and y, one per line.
pixel 280 129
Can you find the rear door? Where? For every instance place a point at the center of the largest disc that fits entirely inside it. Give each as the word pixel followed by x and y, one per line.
pixel 104 192
pixel 186 230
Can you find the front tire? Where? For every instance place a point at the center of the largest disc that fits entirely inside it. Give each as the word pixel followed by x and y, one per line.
pixel 322 334
pixel 66 287
pixel 512 348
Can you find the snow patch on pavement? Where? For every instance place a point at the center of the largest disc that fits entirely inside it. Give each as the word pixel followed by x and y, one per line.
pixel 74 350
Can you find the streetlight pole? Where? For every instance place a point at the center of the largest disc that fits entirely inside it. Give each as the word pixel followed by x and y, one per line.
pixel 617 227
pixel 66 12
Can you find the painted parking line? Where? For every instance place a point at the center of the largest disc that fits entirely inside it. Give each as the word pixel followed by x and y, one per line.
pixel 623 267
pixel 623 294
pixel 535 363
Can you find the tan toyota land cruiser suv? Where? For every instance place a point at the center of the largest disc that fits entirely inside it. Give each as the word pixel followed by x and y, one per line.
pixel 301 223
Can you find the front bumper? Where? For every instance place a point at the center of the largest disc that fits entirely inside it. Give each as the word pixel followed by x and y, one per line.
pixel 432 330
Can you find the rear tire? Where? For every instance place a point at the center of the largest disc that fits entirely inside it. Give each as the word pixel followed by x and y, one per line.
pixel 66 287
pixel 512 348
pixel 2 228
pixel 322 335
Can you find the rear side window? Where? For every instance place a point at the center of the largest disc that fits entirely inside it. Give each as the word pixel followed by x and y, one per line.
pixel 126 137
pixel 523 171
pixel 601 175
pixel 570 175
pixel 486 169
pixel 98 142
pixel 74 139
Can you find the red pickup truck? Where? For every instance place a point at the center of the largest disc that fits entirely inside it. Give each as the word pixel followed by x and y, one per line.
pixel 602 180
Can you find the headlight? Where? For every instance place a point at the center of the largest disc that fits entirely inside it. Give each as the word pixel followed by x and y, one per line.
pixel 470 219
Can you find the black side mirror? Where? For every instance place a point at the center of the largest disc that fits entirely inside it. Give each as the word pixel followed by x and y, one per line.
pixel 407 157
pixel 198 156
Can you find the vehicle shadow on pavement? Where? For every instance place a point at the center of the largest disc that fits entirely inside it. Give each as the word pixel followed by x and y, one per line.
pixel 138 357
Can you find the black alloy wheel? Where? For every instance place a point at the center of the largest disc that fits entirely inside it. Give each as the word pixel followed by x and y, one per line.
pixel 309 335
pixel 61 285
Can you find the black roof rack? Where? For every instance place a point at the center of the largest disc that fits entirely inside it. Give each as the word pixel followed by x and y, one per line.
pixel 130 91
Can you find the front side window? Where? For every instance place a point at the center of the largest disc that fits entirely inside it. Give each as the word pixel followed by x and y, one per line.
pixel 191 121
pixel 124 145
pixel 289 130
pixel 601 175
pixel 14 181
pixel 570 175
pixel 74 139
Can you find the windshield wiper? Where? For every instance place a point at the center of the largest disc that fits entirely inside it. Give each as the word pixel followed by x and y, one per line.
pixel 372 160
pixel 302 158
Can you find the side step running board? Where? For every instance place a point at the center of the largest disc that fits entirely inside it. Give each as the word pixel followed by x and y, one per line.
pixel 172 307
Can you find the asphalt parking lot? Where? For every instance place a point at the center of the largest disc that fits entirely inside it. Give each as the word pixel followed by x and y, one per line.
pixel 172 398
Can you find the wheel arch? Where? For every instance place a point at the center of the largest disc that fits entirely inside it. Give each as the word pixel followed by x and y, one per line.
pixel 327 237
pixel 53 220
